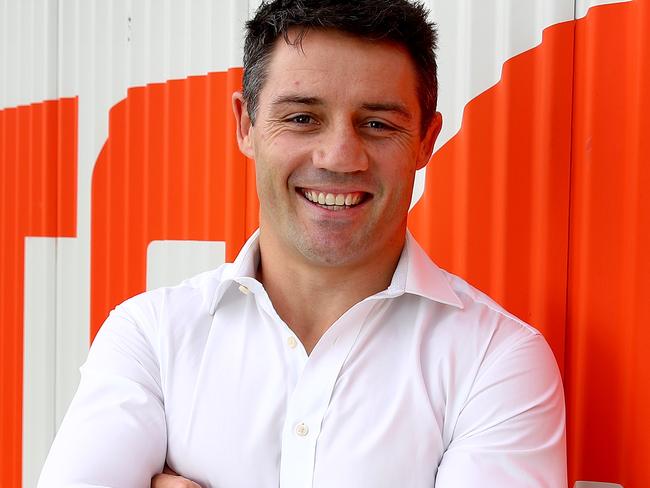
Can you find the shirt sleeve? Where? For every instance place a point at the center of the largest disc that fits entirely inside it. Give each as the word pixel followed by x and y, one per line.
pixel 114 433
pixel 511 429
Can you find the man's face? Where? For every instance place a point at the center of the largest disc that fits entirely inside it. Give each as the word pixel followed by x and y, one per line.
pixel 336 142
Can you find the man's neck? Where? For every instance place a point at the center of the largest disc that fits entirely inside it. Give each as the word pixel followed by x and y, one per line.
pixel 309 297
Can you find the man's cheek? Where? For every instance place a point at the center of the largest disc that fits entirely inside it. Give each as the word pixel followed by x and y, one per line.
pixel 272 194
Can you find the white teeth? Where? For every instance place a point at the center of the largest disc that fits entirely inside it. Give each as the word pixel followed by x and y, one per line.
pixel 332 200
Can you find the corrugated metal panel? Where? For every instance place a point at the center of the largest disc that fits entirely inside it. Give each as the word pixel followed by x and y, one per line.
pixel 38 173
pixel 37 198
pixel 156 178
pixel 608 378
pixel 37 145
pixel 104 49
pixel 476 39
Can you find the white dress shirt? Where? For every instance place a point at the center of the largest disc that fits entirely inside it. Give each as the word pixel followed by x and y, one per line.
pixel 428 383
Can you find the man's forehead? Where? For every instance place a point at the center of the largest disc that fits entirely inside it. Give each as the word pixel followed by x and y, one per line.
pixel 331 63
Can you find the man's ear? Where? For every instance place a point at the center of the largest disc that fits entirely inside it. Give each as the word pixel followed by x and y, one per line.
pixel 244 125
pixel 429 139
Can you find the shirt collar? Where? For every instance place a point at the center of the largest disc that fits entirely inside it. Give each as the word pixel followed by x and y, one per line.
pixel 243 269
pixel 415 274
pixel 418 275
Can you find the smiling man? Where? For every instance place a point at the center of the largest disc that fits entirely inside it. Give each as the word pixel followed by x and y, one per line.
pixel 336 144
pixel 332 352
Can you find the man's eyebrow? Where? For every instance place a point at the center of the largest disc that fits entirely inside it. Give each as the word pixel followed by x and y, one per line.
pixel 296 99
pixel 397 108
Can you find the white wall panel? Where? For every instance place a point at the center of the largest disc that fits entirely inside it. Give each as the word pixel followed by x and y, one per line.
pixel 72 318
pixel 583 6
pixel 73 294
pixel 28 51
pixel 38 355
pixel 170 262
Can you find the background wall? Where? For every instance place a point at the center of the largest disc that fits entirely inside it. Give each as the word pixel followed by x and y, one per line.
pixel 119 172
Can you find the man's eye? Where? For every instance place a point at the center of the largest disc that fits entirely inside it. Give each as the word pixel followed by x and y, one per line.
pixel 376 124
pixel 301 119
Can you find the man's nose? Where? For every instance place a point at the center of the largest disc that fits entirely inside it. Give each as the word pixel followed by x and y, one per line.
pixel 342 150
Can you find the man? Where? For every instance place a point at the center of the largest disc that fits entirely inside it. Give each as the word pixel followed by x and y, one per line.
pixel 332 353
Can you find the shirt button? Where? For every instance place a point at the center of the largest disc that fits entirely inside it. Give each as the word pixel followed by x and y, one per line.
pixel 292 342
pixel 244 290
pixel 302 430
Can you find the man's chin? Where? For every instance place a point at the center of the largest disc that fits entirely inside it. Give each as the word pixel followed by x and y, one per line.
pixel 331 260
pixel 332 253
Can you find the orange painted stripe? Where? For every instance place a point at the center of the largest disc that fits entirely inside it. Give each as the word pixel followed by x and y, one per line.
pixel 38 186
pixel 608 338
pixel 170 169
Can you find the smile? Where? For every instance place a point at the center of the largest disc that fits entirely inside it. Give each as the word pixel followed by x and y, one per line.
pixel 334 201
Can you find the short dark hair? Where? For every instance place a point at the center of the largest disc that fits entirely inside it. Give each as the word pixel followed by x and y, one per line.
pixel 400 21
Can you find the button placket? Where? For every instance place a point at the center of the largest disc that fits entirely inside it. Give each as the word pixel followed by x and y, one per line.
pixel 310 399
